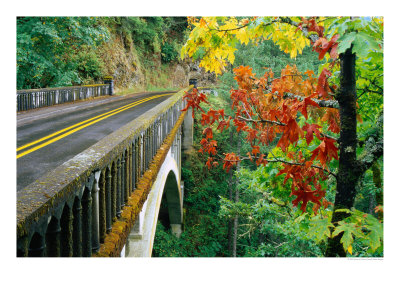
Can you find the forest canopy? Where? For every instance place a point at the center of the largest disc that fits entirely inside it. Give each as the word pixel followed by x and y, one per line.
pixel 318 129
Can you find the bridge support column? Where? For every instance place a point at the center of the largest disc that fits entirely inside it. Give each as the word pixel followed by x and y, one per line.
pixel 140 241
pixel 95 214
pixel 187 143
pixel 176 229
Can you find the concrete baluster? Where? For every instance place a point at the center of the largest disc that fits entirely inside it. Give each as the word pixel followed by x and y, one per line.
pixel 108 199
pixel 22 246
pixel 53 238
pixel 95 213
pixel 77 227
pixel 118 206
pixel 102 206
pixel 37 246
pixel 87 222
pixel 114 191
pixel 123 180
pixel 67 232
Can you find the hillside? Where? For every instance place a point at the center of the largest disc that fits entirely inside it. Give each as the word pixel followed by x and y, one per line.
pixel 141 53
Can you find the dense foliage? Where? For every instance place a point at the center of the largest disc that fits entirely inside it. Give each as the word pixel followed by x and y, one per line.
pixel 323 131
pixel 63 51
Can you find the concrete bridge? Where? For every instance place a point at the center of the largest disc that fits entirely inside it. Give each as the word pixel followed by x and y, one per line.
pixel 106 200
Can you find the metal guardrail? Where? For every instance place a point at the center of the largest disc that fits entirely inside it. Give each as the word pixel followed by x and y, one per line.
pixel 30 99
pixel 70 210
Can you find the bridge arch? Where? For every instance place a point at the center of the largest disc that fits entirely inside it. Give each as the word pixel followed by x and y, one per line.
pixel 167 187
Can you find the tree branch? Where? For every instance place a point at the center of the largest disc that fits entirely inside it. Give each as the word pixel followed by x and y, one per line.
pixel 261 121
pixel 322 103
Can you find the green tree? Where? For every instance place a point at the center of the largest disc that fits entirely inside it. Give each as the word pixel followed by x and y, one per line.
pixel 346 46
pixel 47 47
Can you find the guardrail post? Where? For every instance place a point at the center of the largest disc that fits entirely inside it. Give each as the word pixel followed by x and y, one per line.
pixel 109 80
pixel 53 238
pixel 37 245
pixel 118 206
pixel 77 225
pixel 123 180
pixel 67 232
pixel 108 199
pixel 87 201
pixel 102 207
pixel 114 193
pixel 22 246
pixel 95 213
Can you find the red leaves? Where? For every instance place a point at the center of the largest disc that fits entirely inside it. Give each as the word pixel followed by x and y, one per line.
pixel 290 134
pixel 230 160
pixel 323 86
pixel 265 110
pixel 302 107
pixel 331 116
pixel 311 129
pixel 306 195
pixel 208 133
pixel 312 26
pixel 193 100
pixel 322 46
pixel 325 151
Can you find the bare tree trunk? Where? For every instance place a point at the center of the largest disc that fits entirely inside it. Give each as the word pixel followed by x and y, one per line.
pixel 235 220
pixel 230 221
pixel 230 190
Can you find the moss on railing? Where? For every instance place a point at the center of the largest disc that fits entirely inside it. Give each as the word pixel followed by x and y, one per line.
pixel 116 239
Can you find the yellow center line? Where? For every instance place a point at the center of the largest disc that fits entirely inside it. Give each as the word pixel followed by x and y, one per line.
pixel 96 119
pixel 88 120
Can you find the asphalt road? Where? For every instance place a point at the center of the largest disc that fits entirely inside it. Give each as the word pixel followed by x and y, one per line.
pixel 48 137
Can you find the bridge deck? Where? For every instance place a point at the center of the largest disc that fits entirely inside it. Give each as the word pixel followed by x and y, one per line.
pixel 32 126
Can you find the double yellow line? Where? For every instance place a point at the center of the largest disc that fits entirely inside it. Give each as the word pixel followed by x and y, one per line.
pixel 74 128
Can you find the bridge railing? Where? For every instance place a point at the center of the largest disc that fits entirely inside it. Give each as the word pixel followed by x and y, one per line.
pixel 70 210
pixel 36 98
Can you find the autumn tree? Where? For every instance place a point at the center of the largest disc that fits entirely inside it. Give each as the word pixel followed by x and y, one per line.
pixel 311 120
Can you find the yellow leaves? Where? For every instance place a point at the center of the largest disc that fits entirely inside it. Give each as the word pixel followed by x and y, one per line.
pixel 243 36
pixel 350 250
pixel 217 36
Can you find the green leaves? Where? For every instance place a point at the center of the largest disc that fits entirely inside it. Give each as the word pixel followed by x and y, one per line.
pixel 361 226
pixel 320 228
pixel 362 42
pixel 349 230
pixel 48 48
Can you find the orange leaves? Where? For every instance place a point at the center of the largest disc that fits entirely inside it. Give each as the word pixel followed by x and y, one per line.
pixel 290 134
pixel 322 46
pixel 208 133
pixel 323 86
pixel 231 159
pixel 302 106
pixel 244 77
pixel 268 109
pixel 193 99
pixel 325 151
pixel 311 129
pixel 312 26
pixel 306 195
pixel 332 117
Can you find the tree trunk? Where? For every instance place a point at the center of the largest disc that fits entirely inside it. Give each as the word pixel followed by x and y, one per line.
pixel 348 172
pixel 230 190
pixel 235 220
